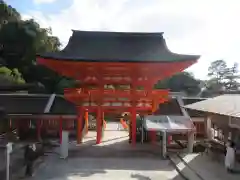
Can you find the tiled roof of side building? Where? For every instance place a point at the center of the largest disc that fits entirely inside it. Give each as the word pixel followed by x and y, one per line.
pixel 228 105
pixel 35 104
pixel 63 107
pixel 15 103
pixel 23 103
pixel 117 47
pixel 16 87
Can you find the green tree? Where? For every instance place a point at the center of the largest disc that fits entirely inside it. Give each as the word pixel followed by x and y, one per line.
pixel 8 76
pixel 216 73
pixel 20 41
pixel 8 13
pixel 222 77
pixel 65 83
pixel 181 82
pixel 231 78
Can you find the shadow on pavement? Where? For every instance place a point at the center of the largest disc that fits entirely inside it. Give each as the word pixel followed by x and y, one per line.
pixel 116 147
pixel 210 168
pixel 140 177
pixel 114 158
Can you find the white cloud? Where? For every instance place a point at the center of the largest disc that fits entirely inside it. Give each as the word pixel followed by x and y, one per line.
pixel 43 1
pixel 208 28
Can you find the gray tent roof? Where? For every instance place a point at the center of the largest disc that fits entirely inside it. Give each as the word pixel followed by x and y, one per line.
pixel 168 123
pixel 117 46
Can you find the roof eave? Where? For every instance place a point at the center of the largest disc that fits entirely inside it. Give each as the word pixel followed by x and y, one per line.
pixel 191 58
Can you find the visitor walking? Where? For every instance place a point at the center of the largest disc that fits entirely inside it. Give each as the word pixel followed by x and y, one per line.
pixel 29 156
pixel 230 156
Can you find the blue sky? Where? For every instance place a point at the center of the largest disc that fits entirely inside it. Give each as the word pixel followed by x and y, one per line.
pixel 209 28
pixel 45 6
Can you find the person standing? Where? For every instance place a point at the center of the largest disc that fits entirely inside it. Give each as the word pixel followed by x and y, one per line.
pixel 29 155
pixel 230 156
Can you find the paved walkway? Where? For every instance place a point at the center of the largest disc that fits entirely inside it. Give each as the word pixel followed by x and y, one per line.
pixel 16 159
pixel 208 168
pixel 114 144
pixel 106 168
pixel 114 159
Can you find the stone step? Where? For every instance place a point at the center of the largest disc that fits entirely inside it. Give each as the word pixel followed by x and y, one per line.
pixel 183 169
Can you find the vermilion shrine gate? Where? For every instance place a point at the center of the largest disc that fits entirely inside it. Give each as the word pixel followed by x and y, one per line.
pixel 98 59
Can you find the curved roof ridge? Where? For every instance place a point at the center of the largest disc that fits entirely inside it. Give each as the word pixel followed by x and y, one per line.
pixel 117 33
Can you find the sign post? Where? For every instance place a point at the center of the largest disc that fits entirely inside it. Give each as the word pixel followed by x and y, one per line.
pixel 64 144
pixel 8 152
pixel 164 144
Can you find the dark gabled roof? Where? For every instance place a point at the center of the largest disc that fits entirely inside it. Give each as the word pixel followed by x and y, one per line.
pixel 117 46
pixel 16 87
pixel 62 106
pixel 172 107
pixel 2 112
pixel 24 104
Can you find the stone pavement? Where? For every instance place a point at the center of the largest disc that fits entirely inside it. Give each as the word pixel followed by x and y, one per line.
pixel 114 159
pixel 184 169
pixel 114 144
pixel 16 159
pixel 106 168
pixel 208 168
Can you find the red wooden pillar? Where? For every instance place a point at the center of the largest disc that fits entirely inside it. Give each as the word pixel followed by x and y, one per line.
pixel 60 129
pixel 10 124
pixel 79 125
pixel 86 122
pixel 38 129
pixel 133 112
pixel 134 124
pixel 99 125
pixel 102 124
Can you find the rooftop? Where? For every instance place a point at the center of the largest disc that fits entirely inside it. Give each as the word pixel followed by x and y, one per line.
pixel 34 104
pixel 169 123
pixel 100 46
pixel 228 105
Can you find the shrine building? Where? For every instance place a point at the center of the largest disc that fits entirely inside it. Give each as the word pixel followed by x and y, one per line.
pixel 135 62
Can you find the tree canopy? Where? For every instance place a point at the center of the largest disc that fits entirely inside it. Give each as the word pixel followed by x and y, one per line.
pixel 222 78
pixel 181 82
pixel 20 41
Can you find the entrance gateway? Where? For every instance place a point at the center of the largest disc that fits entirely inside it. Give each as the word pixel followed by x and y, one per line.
pixel 134 62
